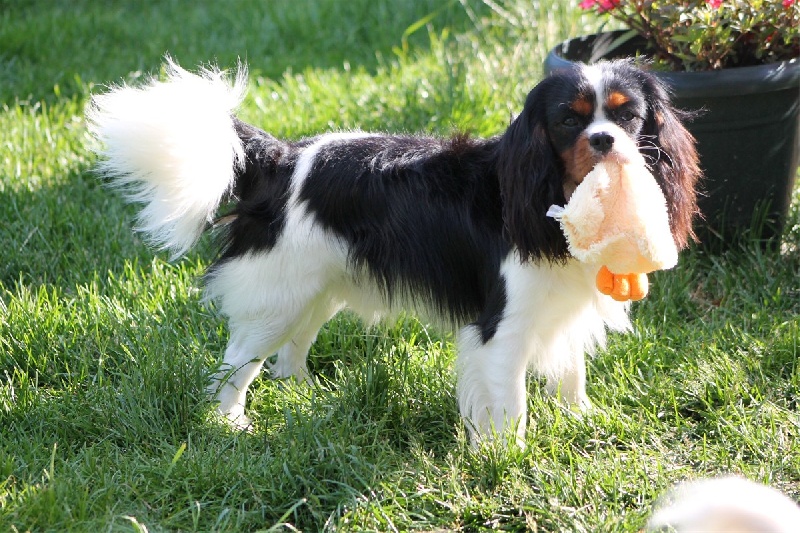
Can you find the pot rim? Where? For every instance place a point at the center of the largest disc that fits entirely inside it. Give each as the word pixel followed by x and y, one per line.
pixel 738 81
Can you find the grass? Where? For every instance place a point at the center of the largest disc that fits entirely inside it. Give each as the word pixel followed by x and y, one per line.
pixel 105 347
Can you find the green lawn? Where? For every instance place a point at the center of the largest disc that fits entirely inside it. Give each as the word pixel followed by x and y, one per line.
pixel 105 347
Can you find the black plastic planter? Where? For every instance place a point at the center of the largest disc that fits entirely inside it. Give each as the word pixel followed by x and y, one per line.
pixel 748 135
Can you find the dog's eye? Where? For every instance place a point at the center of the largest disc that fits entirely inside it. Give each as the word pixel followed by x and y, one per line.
pixel 570 122
pixel 626 116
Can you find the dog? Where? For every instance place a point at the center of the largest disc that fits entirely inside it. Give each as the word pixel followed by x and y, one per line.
pixel 724 505
pixel 452 228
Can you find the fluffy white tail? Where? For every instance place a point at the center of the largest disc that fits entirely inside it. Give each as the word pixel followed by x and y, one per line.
pixel 172 146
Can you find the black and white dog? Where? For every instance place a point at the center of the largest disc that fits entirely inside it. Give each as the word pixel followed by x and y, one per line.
pixel 455 228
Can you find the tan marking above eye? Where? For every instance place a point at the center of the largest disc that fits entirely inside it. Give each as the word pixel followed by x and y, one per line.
pixel 616 99
pixel 582 106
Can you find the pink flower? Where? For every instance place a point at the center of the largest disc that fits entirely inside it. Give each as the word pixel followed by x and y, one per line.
pixel 714 3
pixel 602 5
pixel 788 3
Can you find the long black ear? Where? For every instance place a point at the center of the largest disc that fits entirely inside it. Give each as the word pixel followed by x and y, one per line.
pixel 670 150
pixel 530 176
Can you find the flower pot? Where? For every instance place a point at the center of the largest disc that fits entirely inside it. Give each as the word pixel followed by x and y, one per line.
pixel 748 135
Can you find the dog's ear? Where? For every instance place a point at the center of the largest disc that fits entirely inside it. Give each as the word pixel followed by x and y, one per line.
pixel 531 180
pixel 670 151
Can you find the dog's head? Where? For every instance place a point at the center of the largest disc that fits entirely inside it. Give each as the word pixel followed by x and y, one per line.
pixel 572 120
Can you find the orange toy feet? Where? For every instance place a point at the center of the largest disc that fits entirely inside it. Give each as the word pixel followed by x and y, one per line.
pixel 622 287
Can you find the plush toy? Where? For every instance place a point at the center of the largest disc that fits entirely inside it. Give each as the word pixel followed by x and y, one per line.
pixel 617 217
pixel 622 287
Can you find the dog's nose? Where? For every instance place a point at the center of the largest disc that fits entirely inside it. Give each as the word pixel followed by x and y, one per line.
pixel 602 142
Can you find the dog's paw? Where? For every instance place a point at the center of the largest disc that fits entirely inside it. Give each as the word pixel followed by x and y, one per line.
pixel 574 397
pixel 281 370
pixel 507 438
pixel 236 419
pixel 581 403
pixel 241 423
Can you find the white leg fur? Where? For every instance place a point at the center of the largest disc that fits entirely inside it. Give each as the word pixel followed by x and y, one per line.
pixel 291 360
pixel 491 384
pixel 571 388
pixel 554 315
pixel 275 306
pixel 285 301
pixel 230 383
pixel 253 339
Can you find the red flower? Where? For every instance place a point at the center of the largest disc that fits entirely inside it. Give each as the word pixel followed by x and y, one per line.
pixel 715 3
pixel 788 3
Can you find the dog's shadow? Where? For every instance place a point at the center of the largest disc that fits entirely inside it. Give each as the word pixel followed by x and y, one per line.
pixel 62 234
pixel 70 244
pixel 393 380
pixel 81 297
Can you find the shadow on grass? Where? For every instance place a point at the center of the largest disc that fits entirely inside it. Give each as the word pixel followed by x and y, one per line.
pixel 81 297
pixel 64 234
pixel 50 49
pixel 145 428
pixel 88 303
pixel 90 308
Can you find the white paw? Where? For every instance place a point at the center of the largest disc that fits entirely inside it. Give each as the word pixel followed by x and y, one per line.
pixel 575 398
pixel 236 419
pixel 580 403
pixel 506 438
pixel 281 370
pixel 507 431
pixel 229 410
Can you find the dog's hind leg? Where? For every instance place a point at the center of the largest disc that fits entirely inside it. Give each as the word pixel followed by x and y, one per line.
pixel 291 358
pixel 265 313
pixel 252 340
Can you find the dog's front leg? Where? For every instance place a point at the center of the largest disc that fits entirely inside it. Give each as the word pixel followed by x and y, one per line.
pixel 491 385
pixel 571 388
